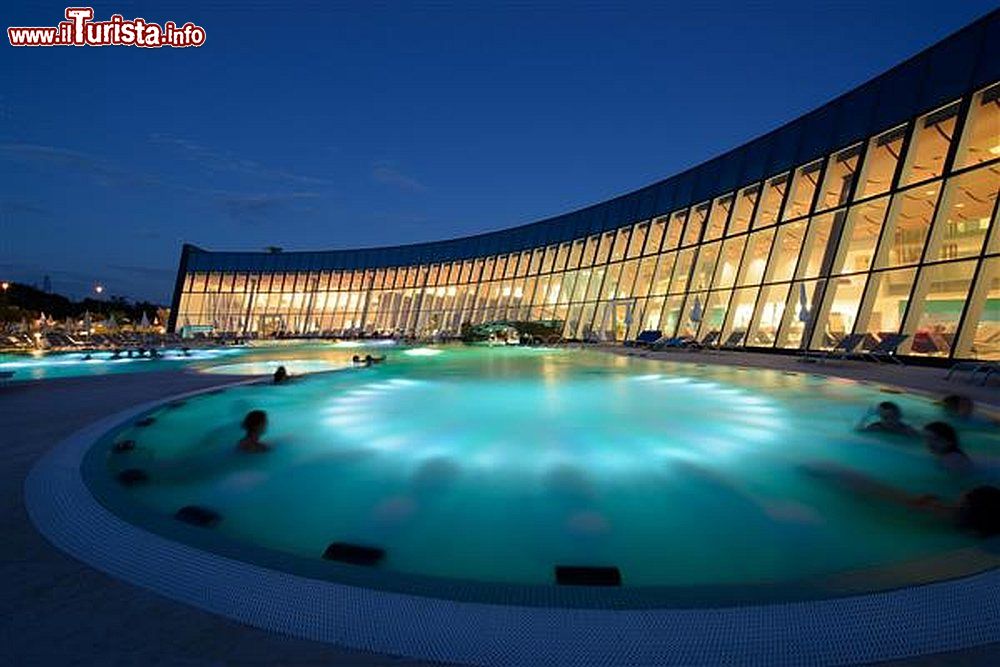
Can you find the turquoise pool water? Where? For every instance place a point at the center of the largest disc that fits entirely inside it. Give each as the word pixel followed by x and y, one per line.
pixel 71 364
pixel 260 358
pixel 495 465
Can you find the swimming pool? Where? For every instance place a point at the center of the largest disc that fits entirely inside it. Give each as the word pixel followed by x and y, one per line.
pixel 479 471
pixel 44 366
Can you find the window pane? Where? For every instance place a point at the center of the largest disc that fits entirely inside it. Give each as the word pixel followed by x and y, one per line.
pixel 647 268
pixel 621 244
pixel 548 260
pixel 740 311
pixel 580 290
pixel 574 255
pixel 815 247
pixel 929 145
pixel 627 281
pixel 655 236
pixel 651 318
pixel 714 313
pixel 589 251
pixel 692 233
pixel 664 269
pixel 705 267
pixel 860 236
pixel 745 203
pixel 786 252
pixel 906 226
pixel 838 179
pixel 981 332
pixel 755 258
pixel 803 188
pixel 885 303
pixel 596 280
pixel 717 219
pixel 638 240
pixel 604 250
pixel 561 258
pixel 937 306
pixel 964 214
pixel 774 192
pixel 835 318
pixel 691 315
pixel 729 262
pixel 981 138
pixel 671 315
pixel 536 261
pixel 682 271
pixel 770 308
pixel 798 311
pixel 673 238
pixel 880 163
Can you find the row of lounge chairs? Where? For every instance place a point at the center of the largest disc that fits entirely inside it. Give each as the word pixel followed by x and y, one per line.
pixel 851 346
pixel 655 340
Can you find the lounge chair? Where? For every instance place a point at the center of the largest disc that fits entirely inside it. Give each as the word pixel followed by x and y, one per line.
pixel 843 348
pixel 645 338
pixel 734 340
pixel 670 342
pixel 690 343
pixel 710 340
pixel 886 350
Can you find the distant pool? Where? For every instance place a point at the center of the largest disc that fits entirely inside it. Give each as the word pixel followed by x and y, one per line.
pixel 478 471
pixel 70 364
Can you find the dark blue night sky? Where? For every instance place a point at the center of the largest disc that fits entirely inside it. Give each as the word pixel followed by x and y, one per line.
pixel 322 125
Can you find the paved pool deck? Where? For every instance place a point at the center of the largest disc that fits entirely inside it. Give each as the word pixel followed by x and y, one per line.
pixel 55 610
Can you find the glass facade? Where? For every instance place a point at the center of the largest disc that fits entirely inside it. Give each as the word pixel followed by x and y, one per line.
pixel 895 231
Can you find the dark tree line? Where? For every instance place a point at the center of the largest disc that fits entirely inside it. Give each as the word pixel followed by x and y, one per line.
pixel 20 301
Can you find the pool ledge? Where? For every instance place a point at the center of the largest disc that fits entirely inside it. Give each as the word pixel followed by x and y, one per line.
pixel 908 622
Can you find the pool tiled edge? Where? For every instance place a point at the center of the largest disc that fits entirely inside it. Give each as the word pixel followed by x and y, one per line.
pixel 866 628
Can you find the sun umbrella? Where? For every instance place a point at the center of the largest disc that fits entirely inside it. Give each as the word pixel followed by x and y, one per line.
pixel 144 322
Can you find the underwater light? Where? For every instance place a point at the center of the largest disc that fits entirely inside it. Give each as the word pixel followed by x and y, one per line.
pixel 422 352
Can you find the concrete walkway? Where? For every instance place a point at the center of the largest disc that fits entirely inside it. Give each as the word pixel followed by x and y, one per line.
pixel 56 611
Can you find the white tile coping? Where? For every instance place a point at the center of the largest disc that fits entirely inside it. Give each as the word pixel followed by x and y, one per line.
pixel 936 617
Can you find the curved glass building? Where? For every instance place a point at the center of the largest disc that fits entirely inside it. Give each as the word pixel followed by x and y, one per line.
pixel 875 214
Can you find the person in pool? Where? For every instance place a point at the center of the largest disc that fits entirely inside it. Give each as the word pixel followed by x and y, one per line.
pixel 976 511
pixel 890 420
pixel 280 375
pixel 255 423
pixel 942 441
pixel 957 406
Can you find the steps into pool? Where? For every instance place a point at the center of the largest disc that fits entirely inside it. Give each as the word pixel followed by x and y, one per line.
pixel 198 516
pixel 133 477
pixel 124 446
pixel 587 575
pixel 354 554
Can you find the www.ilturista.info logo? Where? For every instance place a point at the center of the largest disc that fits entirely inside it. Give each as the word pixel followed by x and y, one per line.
pixel 79 29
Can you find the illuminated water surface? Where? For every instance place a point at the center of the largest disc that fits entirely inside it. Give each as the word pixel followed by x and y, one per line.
pixel 494 465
